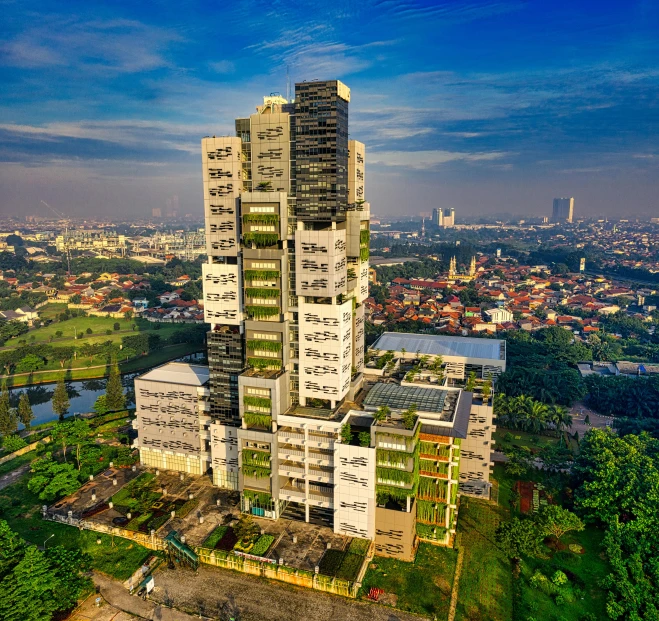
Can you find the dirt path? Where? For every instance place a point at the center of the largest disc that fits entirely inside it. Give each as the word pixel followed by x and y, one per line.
pixel 456 582
pixel 11 477
pixel 118 597
pixel 220 593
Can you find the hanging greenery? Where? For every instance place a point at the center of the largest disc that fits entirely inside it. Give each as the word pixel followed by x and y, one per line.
pixel 264 363
pixel 256 471
pixel 260 239
pixel 261 274
pixel 351 274
pixel 436 467
pixel 256 345
pixel 256 458
pixel 363 254
pixel 261 218
pixel 392 459
pixel 431 448
pixel 261 312
pixel 432 489
pixel 389 476
pixel 433 533
pixel 364 236
pixel 384 493
pixel 262 292
pixel 257 402
pixel 430 512
pixel 254 419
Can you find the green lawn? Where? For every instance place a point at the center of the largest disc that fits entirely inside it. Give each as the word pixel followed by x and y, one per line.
pixel 21 508
pixel 522 438
pixel 84 372
pixel 580 595
pixel 486 584
pixel 79 325
pixel 423 587
pixel 21 460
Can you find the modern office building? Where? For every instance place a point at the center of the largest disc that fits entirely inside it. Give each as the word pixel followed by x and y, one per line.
pixel 444 217
pixel 288 246
pixel 563 210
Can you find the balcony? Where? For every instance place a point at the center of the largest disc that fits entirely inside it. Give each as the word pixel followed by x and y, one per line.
pixel 321 441
pixel 290 454
pixel 320 475
pixel 292 493
pixel 321 459
pixel 290 469
pixel 289 436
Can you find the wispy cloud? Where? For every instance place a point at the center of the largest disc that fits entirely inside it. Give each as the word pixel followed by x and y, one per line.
pixel 429 160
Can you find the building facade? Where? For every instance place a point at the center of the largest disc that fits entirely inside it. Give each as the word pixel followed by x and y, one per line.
pixel 563 210
pixel 444 217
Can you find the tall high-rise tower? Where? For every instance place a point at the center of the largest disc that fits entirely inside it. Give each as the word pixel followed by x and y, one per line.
pixel 563 210
pixel 288 233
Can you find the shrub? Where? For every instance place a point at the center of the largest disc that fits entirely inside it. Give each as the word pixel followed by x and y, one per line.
pixel 359 546
pixel 364 438
pixel 214 538
pixel 108 332
pixel 187 507
pixel 116 326
pixel 262 545
pixel 330 562
pixel 508 437
pixel 89 330
pixel 350 566
pixel 13 443
pixel 559 578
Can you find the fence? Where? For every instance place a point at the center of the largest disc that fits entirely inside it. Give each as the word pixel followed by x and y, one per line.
pixel 283 573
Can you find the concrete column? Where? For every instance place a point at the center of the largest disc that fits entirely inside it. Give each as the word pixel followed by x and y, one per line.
pixel 306 512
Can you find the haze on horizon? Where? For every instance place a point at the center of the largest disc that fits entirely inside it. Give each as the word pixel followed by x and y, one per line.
pixel 485 106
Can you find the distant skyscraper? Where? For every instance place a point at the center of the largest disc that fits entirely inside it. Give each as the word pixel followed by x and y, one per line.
pixel 443 217
pixel 563 210
pixel 156 212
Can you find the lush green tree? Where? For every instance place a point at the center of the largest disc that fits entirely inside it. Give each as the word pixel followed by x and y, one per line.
pixel 8 417
pixel 409 417
pixel 51 480
pixel 114 392
pixel 556 521
pixel 519 537
pixel 69 567
pixel 72 433
pixel 100 406
pixel 29 364
pixel 25 414
pixel 382 414
pixel 61 401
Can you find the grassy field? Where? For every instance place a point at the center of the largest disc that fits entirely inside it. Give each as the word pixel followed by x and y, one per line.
pixel 85 372
pixel 21 508
pixel 581 595
pixel 522 438
pixel 485 591
pixel 423 587
pixel 79 325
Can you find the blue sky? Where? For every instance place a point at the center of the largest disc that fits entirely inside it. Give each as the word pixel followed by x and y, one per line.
pixel 485 106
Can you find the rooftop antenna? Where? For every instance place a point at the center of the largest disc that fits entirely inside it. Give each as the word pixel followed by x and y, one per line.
pixel 288 86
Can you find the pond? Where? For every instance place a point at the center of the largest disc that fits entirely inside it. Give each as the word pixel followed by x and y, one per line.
pixel 82 394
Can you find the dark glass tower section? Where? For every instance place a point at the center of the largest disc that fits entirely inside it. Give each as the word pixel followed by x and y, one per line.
pixel 226 360
pixel 321 151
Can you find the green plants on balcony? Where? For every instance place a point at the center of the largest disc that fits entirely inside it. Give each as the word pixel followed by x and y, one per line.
pixel 261 312
pixel 257 472
pixel 393 476
pixel 259 499
pixel 433 533
pixel 260 239
pixel 431 448
pixel 257 345
pixel 262 274
pixel 351 274
pixel 256 458
pixel 254 419
pixel 430 512
pixel 261 218
pixel 257 402
pixel 392 459
pixel 363 254
pixel 264 363
pixel 364 438
pixel 427 465
pixel 364 236
pixel 432 489
pixel 385 493
pixel 409 417
pixel 346 433
pixel 262 292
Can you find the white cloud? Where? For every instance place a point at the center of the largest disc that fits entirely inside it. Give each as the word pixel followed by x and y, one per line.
pixel 428 160
pixel 222 66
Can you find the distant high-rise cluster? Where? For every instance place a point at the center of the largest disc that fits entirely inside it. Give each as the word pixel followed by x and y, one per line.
pixel 444 217
pixel 563 210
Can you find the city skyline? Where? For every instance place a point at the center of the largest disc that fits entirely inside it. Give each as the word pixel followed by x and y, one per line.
pixel 103 105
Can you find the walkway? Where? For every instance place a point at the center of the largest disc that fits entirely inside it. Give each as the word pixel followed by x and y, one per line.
pixel 118 597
